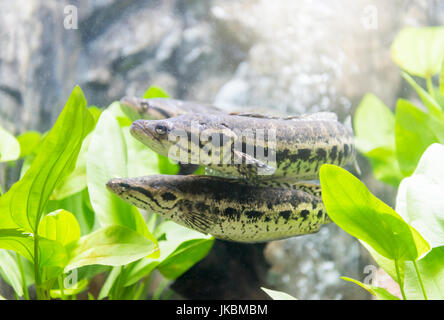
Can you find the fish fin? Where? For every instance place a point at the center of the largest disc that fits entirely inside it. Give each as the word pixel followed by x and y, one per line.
pixel 199 221
pixel 187 168
pixel 250 166
pixel 326 116
pixel 253 115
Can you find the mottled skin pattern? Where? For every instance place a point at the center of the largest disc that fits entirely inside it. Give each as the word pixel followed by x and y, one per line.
pixel 302 145
pixel 225 208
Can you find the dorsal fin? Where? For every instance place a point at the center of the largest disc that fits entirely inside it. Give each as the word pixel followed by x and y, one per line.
pixel 325 116
pixel 253 115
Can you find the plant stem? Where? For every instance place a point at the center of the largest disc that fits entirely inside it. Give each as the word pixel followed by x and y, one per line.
pixel 22 274
pixel 142 288
pixel 401 285
pixel 420 280
pixel 36 266
pixel 62 292
pixel 158 293
pixel 430 86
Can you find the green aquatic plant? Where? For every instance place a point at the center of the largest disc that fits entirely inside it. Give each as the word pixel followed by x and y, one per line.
pixel 394 143
pixel 408 243
pixel 405 150
pixel 59 226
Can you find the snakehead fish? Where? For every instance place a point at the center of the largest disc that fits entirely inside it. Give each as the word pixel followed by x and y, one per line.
pixel 228 209
pixel 244 144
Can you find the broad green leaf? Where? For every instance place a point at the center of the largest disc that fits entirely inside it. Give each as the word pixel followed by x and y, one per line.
pixel 60 226
pixel 27 198
pixel 9 146
pixel 173 236
pixel 380 293
pixel 106 159
pixel 95 112
pixel 388 265
pixel 119 113
pixel 137 270
pixel 114 245
pixel 420 198
pixel 278 295
pixel 80 206
pixel 75 289
pixel 28 142
pixel 111 280
pixel 182 248
pixel 155 92
pixel 431 268
pixel 200 171
pixel 51 253
pixel 165 166
pixel 385 165
pixel 184 257
pixel 419 51
pixel 354 209
pixel 10 271
pixel 142 161
pixel 415 132
pixel 425 97
pixel 439 97
pixel 76 180
pixel 374 125
pixel 441 80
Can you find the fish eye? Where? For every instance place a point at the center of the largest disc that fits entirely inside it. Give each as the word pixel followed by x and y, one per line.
pixel 145 106
pixel 161 129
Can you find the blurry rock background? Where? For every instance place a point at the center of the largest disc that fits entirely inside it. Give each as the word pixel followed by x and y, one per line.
pixel 284 55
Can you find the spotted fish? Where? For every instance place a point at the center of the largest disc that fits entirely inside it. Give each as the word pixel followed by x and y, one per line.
pixel 228 209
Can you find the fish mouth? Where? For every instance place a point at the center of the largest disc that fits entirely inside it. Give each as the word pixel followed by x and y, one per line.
pixel 138 129
pixel 118 186
pixel 143 131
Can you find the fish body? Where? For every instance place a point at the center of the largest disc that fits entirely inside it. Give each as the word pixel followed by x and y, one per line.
pixel 251 147
pixel 228 209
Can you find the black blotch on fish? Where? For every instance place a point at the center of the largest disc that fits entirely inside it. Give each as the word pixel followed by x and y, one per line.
pixel 340 156
pixel 285 214
pixel 304 154
pixel 202 207
pixel 168 196
pixel 253 214
pixel 321 154
pixel 334 153
pixel 304 214
pixel 231 213
pixel 345 150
